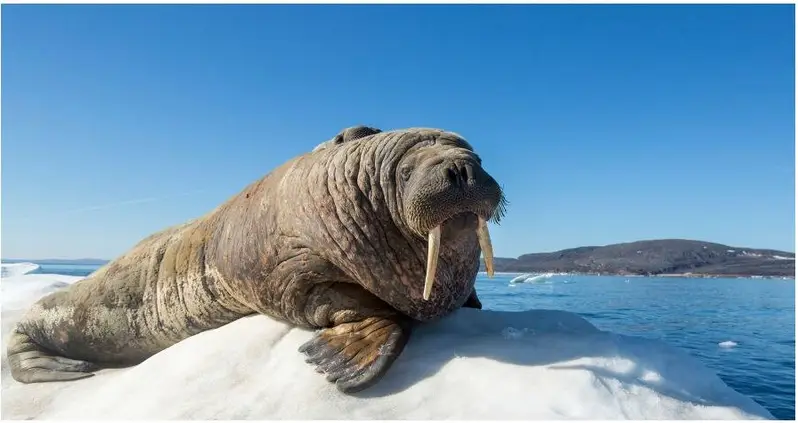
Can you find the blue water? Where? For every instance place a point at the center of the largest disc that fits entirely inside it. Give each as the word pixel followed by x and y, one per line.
pixel 693 314
pixel 66 269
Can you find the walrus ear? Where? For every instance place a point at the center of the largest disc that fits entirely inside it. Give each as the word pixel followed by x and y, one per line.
pixel 354 133
pixel 349 134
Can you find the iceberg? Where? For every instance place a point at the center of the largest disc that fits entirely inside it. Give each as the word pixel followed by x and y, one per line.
pixel 473 364
pixel 533 278
pixel 19 292
pixel 16 269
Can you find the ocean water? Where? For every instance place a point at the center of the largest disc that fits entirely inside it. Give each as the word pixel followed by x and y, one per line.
pixel 65 269
pixel 744 329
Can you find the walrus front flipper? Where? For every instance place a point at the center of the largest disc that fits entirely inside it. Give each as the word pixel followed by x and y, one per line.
pixel 30 363
pixel 473 301
pixel 356 355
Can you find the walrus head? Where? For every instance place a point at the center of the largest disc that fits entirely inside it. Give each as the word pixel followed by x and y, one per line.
pixel 440 200
pixel 443 183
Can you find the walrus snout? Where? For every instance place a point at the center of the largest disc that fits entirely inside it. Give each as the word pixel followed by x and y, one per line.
pixel 480 193
pixel 445 188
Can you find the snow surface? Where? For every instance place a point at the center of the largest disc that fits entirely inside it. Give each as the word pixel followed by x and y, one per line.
pixel 538 364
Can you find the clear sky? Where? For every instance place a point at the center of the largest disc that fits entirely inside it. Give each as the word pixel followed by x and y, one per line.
pixel 604 124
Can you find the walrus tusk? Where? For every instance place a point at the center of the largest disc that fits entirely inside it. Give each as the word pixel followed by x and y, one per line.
pixel 432 259
pixel 485 245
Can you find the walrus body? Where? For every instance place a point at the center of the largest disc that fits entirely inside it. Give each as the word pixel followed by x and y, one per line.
pixel 331 240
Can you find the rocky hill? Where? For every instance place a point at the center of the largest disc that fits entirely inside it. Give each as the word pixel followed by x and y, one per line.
pixel 656 257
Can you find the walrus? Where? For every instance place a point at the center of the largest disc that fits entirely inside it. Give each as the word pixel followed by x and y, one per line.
pixel 361 239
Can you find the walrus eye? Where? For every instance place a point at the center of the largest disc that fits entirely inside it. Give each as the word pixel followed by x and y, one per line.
pixel 405 172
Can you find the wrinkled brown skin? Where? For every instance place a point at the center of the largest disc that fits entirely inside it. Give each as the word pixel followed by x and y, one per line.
pixel 333 240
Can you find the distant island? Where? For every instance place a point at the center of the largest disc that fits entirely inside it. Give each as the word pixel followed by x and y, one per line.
pixel 646 258
pixel 662 257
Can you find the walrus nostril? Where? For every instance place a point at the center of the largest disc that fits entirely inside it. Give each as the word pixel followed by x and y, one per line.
pixel 465 173
pixel 460 174
pixel 452 175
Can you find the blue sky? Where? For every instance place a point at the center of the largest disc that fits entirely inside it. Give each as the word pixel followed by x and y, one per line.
pixel 604 124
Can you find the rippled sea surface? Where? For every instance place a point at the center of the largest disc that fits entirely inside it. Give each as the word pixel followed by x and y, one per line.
pixel 744 329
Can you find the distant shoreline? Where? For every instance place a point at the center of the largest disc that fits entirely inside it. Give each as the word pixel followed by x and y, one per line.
pixel 659 257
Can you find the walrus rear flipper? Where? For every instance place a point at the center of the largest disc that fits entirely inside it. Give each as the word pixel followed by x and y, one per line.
pixel 31 363
pixel 356 355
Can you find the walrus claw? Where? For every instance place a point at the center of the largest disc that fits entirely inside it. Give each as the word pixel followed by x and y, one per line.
pixel 356 355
